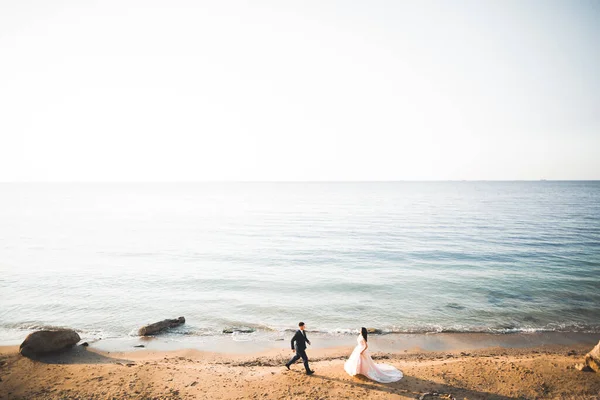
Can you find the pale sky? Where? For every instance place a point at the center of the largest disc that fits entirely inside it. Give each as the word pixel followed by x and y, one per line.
pixel 304 90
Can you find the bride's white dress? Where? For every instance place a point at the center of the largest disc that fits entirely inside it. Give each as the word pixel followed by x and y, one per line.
pixel 364 365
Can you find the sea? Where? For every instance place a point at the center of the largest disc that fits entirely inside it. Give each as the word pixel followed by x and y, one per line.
pixel 256 258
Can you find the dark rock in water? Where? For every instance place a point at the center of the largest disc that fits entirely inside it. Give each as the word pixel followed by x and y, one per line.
pixel 85 344
pixel 139 345
pixel 238 330
pixel 455 306
pixel 158 327
pixel 592 359
pixel 41 342
pixel 374 331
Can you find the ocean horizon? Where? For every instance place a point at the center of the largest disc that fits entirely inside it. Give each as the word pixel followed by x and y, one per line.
pixel 257 257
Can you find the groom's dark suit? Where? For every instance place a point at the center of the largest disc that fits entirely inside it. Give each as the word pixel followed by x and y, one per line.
pixel 300 339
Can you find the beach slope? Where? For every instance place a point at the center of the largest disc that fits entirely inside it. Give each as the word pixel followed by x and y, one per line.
pixel 494 373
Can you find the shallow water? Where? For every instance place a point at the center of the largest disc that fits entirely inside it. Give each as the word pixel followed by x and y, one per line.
pixel 404 257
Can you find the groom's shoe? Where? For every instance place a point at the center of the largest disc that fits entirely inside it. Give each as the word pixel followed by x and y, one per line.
pixel 310 372
pixel 287 366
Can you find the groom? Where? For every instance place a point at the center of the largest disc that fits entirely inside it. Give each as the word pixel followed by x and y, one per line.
pixel 301 340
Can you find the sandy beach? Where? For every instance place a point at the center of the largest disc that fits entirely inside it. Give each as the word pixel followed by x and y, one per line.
pixel 491 373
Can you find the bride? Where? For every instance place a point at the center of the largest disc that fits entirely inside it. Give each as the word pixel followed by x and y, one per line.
pixel 360 362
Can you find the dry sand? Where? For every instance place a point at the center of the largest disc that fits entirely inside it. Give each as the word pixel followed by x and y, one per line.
pixel 495 373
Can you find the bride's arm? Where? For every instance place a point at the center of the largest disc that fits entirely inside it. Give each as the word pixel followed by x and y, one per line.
pixel 365 349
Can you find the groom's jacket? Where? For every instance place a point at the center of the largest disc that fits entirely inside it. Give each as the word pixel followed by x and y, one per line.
pixel 300 339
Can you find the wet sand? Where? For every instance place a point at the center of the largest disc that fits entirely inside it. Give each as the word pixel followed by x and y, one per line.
pixel 257 343
pixel 545 371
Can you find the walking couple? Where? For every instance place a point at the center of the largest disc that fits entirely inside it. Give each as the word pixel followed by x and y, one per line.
pixel 359 362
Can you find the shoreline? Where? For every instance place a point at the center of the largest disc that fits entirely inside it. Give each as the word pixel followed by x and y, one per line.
pixel 389 342
pixel 502 373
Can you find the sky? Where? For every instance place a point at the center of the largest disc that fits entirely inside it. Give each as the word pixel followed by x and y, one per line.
pixel 299 90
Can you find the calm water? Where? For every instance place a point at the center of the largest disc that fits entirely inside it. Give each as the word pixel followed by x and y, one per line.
pixel 409 257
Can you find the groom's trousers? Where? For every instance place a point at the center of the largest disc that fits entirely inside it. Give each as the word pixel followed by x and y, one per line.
pixel 300 354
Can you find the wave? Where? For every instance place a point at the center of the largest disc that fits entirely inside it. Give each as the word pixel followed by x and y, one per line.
pixel 259 329
pixel 191 335
pixel 250 329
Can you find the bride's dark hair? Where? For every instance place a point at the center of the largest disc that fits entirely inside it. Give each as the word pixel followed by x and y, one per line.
pixel 363 332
